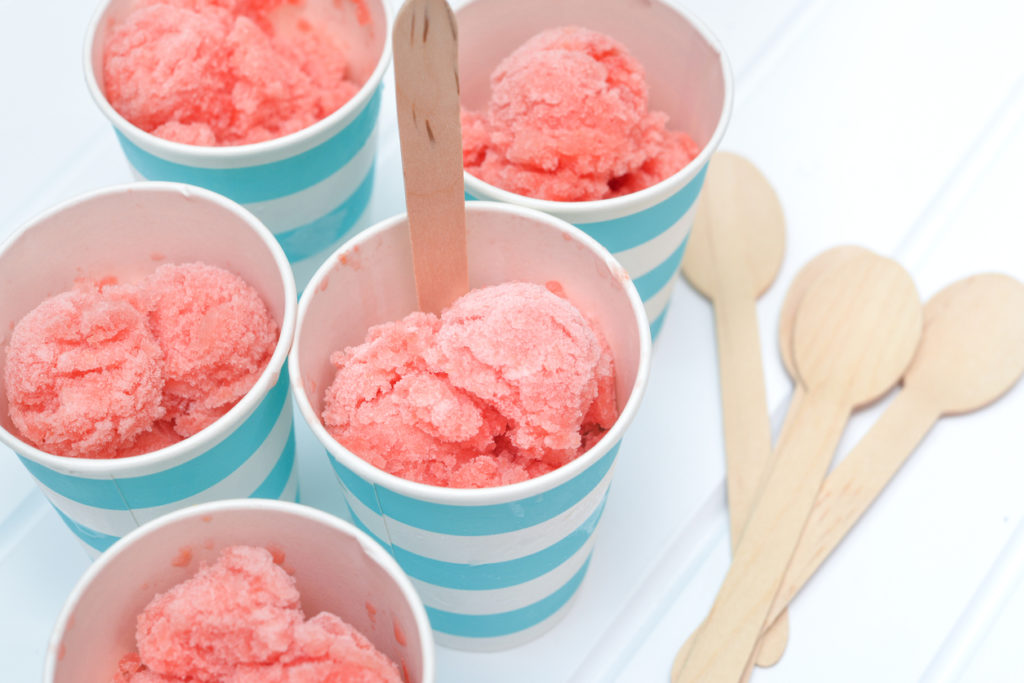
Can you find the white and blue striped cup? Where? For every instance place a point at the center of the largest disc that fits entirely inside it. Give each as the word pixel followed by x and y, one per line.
pixel 337 569
pixel 126 232
pixel 310 187
pixel 495 567
pixel 688 77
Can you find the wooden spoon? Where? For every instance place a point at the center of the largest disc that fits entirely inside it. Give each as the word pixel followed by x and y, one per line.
pixel 971 353
pixel 425 50
pixel 734 253
pixel 855 334
pixel 773 640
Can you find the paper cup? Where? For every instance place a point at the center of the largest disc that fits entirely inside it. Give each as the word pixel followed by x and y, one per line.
pixel 337 568
pixel 127 232
pixel 688 78
pixel 495 567
pixel 309 187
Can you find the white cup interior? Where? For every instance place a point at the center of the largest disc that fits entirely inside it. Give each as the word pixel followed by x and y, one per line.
pixel 684 69
pixel 362 37
pixel 370 281
pixel 126 232
pixel 335 570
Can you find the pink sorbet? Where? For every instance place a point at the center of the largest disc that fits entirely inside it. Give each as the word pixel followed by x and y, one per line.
pixel 509 383
pixel 113 370
pixel 84 375
pixel 216 335
pixel 239 621
pixel 568 121
pixel 224 72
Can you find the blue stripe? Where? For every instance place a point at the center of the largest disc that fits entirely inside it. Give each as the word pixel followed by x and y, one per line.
pixel 93 539
pixel 498 574
pixel 652 282
pixel 355 485
pixel 265 181
pixel 273 486
pixel 630 231
pixel 478 520
pixel 177 483
pixel 658 322
pixel 504 623
pixel 305 241
pixel 365 529
pixel 635 229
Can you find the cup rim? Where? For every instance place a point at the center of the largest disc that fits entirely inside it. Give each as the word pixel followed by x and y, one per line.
pixel 597 209
pixel 215 432
pixel 494 494
pixel 240 154
pixel 369 546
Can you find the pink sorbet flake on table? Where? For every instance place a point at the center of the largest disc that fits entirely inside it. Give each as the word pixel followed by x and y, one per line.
pixel 509 383
pixel 239 621
pixel 83 375
pixel 567 120
pixel 224 72
pixel 216 335
pixel 111 370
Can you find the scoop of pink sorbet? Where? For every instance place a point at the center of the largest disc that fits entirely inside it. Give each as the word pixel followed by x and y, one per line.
pixel 239 620
pixel 216 335
pixel 567 120
pixel 510 382
pixel 83 375
pixel 223 72
pixel 112 370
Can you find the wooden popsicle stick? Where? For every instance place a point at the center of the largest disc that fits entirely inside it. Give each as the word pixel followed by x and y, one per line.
pixel 855 334
pixel 425 50
pixel 774 639
pixel 734 254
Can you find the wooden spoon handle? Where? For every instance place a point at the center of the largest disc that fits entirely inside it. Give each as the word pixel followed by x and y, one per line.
pixel 855 483
pixel 781 624
pixel 775 638
pixel 747 428
pixel 427 97
pixel 787 426
pixel 851 488
pixel 725 643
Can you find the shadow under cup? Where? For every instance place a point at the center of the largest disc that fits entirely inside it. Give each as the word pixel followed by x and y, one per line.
pixel 310 187
pixel 495 567
pixel 126 232
pixel 688 78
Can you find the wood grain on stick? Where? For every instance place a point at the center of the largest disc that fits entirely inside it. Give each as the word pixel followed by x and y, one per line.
pixel 425 47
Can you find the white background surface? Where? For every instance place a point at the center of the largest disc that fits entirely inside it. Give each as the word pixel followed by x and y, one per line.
pixel 895 125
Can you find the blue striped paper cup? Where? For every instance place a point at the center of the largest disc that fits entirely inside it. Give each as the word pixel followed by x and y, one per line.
pixel 688 77
pixel 126 232
pixel 337 569
pixel 310 187
pixel 495 567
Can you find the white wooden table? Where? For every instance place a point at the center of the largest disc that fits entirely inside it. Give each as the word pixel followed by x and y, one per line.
pixel 895 125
